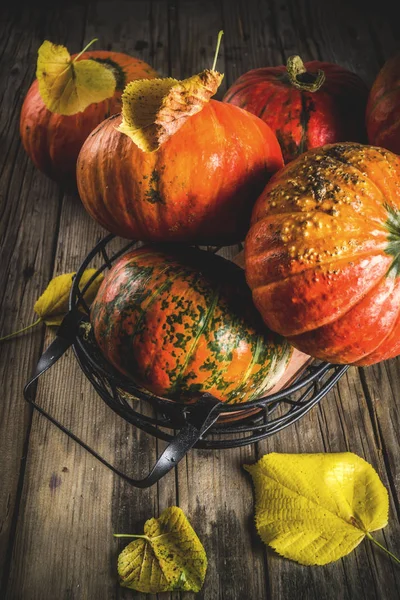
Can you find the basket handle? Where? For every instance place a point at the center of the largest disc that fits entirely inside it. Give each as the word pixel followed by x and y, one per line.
pixel 199 417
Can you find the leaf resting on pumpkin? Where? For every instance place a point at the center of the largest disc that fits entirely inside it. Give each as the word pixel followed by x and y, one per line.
pixel 153 110
pixel 168 557
pixel 316 508
pixel 52 306
pixel 68 86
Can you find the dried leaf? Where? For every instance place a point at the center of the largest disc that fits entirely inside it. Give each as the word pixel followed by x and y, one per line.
pixel 68 86
pixel 168 557
pixel 153 110
pixel 52 306
pixel 316 508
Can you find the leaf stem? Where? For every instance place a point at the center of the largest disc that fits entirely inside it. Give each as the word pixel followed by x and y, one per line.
pixel 85 48
pixel 374 541
pixel 131 535
pixel 10 335
pixel 220 34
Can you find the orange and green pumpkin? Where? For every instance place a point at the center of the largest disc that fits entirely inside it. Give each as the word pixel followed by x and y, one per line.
pixel 52 140
pixel 181 323
pixel 198 187
pixel 323 253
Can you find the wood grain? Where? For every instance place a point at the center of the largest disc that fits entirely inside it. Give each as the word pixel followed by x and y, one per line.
pixel 58 513
pixel 30 209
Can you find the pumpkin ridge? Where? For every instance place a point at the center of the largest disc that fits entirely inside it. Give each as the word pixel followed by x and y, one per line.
pixel 313 267
pixel 377 101
pixel 249 369
pixel 333 317
pixel 395 321
pixel 336 158
pixel 364 356
pixel 154 296
pixel 202 328
pixel 384 130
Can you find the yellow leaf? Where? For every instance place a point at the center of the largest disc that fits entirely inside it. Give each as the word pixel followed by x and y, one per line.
pixel 52 306
pixel 68 86
pixel 154 109
pixel 168 557
pixel 316 508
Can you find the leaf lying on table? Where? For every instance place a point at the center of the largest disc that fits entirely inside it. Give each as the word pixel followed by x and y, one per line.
pixel 316 508
pixel 169 556
pixel 67 86
pixel 52 306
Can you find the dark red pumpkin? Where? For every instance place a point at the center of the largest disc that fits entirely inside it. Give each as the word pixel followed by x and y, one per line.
pixel 383 108
pixel 199 186
pixel 323 253
pixel 301 118
pixel 183 323
pixel 53 141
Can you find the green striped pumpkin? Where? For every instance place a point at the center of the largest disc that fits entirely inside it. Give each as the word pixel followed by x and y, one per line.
pixel 181 323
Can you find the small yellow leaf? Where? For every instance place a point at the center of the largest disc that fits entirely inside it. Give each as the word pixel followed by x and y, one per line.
pixel 316 508
pixel 52 306
pixel 153 110
pixel 168 557
pixel 68 86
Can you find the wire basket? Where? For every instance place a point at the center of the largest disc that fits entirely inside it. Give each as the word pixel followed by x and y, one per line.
pixel 208 423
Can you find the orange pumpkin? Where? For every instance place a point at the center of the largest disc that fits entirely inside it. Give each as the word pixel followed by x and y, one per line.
pixel 323 253
pixel 383 109
pixel 199 186
pixel 53 141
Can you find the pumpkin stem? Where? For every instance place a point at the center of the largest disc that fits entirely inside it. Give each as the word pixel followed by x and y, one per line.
pixel 302 79
pixel 10 335
pixel 220 34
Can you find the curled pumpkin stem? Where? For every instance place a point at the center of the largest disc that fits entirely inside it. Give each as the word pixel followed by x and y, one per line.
pixel 302 79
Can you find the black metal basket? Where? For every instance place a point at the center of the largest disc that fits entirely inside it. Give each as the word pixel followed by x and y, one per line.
pixel 208 423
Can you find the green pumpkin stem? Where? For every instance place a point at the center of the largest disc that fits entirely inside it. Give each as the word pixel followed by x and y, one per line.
pixel 220 34
pixel 374 541
pixel 10 335
pixel 302 79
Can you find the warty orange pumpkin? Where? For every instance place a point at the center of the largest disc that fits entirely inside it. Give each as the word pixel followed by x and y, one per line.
pixel 323 253
pixel 182 322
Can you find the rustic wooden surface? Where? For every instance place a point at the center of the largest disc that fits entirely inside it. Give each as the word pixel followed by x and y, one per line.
pixel 58 505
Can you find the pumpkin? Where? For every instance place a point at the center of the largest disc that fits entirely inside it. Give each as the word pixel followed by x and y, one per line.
pixel 199 186
pixel 383 108
pixel 323 253
pixel 306 105
pixel 52 140
pixel 181 323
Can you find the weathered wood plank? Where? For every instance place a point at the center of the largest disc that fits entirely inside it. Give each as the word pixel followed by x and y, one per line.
pixel 63 483
pixel 71 504
pixel 30 206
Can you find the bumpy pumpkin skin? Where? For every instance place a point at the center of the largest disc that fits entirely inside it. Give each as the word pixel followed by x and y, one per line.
pixel 53 141
pixel 383 109
pixel 199 186
pixel 300 119
pixel 181 324
pixel 322 254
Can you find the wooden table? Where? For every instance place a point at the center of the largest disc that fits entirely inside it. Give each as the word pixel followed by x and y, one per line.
pixel 58 505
